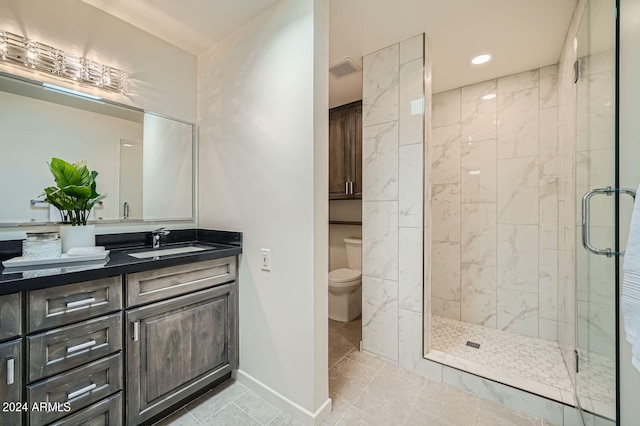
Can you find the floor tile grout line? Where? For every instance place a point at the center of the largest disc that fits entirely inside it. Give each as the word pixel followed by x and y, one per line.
pixel 253 418
pixel 360 394
pixel 343 357
pixel 475 413
pixel 218 410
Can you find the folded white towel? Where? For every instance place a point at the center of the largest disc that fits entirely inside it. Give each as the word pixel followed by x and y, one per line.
pixel 85 251
pixel 630 301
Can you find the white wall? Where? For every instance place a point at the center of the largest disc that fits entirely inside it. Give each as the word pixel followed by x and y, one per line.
pixel 629 177
pixel 263 170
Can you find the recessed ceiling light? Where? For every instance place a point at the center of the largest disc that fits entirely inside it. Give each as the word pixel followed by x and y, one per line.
pixel 489 96
pixel 481 59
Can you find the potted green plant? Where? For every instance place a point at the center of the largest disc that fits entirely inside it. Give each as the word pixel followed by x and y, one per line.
pixel 74 196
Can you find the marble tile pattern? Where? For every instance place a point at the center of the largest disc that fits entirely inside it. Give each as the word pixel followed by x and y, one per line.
pixel 394 156
pixel 411 185
pixel 495 148
pixel 380 317
pixel 380 239
pixel 380 162
pixel 410 269
pixel 380 81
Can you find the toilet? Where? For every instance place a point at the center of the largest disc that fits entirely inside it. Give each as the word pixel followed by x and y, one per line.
pixel 345 285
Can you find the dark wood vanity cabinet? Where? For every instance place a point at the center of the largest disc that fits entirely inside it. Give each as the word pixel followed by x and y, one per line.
pixel 176 347
pixel 11 384
pixel 118 350
pixel 183 343
pixel 345 152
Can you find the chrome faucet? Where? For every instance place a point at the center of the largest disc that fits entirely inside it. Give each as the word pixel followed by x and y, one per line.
pixel 156 234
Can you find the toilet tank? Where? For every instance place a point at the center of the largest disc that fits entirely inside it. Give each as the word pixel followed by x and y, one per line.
pixel 354 253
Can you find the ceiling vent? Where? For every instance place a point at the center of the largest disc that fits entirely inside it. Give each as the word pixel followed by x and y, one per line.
pixel 344 67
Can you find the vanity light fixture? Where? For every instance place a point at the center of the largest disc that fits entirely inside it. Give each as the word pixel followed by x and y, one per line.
pixel 481 59
pixel 37 56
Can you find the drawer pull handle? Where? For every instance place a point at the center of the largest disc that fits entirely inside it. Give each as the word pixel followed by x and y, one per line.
pixel 11 376
pixel 81 302
pixel 81 346
pixel 136 331
pixel 71 395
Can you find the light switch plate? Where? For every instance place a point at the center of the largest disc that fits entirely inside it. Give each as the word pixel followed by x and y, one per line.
pixel 266 259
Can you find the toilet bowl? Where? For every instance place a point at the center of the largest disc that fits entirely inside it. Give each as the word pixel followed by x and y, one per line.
pixel 345 285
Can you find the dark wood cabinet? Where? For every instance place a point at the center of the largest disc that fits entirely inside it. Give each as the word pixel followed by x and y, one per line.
pixel 345 152
pixel 178 346
pixel 11 382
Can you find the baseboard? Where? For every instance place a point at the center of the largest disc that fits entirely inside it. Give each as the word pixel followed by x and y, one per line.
pixel 301 414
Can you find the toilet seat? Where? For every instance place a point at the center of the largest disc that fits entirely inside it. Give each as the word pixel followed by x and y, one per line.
pixel 344 277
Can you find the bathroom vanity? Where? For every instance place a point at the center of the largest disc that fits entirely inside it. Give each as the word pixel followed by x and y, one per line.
pixel 122 342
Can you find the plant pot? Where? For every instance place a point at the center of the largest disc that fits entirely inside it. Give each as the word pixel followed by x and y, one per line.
pixel 77 236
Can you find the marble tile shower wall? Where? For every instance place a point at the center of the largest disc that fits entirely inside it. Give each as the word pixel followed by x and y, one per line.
pixel 494 183
pixel 392 200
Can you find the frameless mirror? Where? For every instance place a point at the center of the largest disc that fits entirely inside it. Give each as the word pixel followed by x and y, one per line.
pixel 145 162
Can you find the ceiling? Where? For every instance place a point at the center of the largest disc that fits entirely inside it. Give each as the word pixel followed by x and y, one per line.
pixel 192 25
pixel 520 34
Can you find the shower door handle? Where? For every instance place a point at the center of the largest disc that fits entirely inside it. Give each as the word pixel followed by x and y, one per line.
pixel 586 218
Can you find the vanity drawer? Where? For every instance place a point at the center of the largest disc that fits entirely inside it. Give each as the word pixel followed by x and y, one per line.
pixel 10 316
pixel 150 286
pixel 104 413
pixel 56 306
pixel 80 388
pixel 61 349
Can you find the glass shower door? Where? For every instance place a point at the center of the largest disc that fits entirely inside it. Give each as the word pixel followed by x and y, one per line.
pixel 596 198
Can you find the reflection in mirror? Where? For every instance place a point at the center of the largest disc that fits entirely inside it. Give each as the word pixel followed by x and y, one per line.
pixel 143 160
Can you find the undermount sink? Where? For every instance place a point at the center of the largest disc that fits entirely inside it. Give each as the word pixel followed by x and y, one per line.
pixel 167 251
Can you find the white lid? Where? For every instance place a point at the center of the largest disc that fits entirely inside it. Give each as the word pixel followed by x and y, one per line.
pixel 353 240
pixel 344 275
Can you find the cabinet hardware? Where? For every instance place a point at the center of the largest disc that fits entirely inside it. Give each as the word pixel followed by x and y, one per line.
pixel 346 188
pixel 81 302
pixel 81 346
pixel 11 376
pixel 351 187
pixel 136 331
pixel 71 395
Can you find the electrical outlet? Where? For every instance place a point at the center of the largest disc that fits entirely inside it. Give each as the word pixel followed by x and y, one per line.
pixel 266 259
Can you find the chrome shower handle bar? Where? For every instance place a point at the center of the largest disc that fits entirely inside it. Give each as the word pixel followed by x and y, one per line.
pixel 586 218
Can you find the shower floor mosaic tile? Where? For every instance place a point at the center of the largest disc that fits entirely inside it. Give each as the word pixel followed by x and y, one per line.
pixel 527 363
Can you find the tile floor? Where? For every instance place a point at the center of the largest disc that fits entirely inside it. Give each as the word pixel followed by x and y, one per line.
pixel 366 391
pixel 229 404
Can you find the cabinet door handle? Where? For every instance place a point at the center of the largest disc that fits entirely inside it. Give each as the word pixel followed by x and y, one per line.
pixel 11 372
pixel 71 395
pixel 346 188
pixel 351 187
pixel 136 331
pixel 81 302
pixel 81 346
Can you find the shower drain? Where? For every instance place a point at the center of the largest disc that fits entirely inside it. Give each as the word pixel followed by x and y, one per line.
pixel 473 344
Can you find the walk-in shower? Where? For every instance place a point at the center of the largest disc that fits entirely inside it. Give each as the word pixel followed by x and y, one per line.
pixel 514 295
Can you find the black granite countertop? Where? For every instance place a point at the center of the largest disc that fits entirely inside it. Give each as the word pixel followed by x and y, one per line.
pixel 218 244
